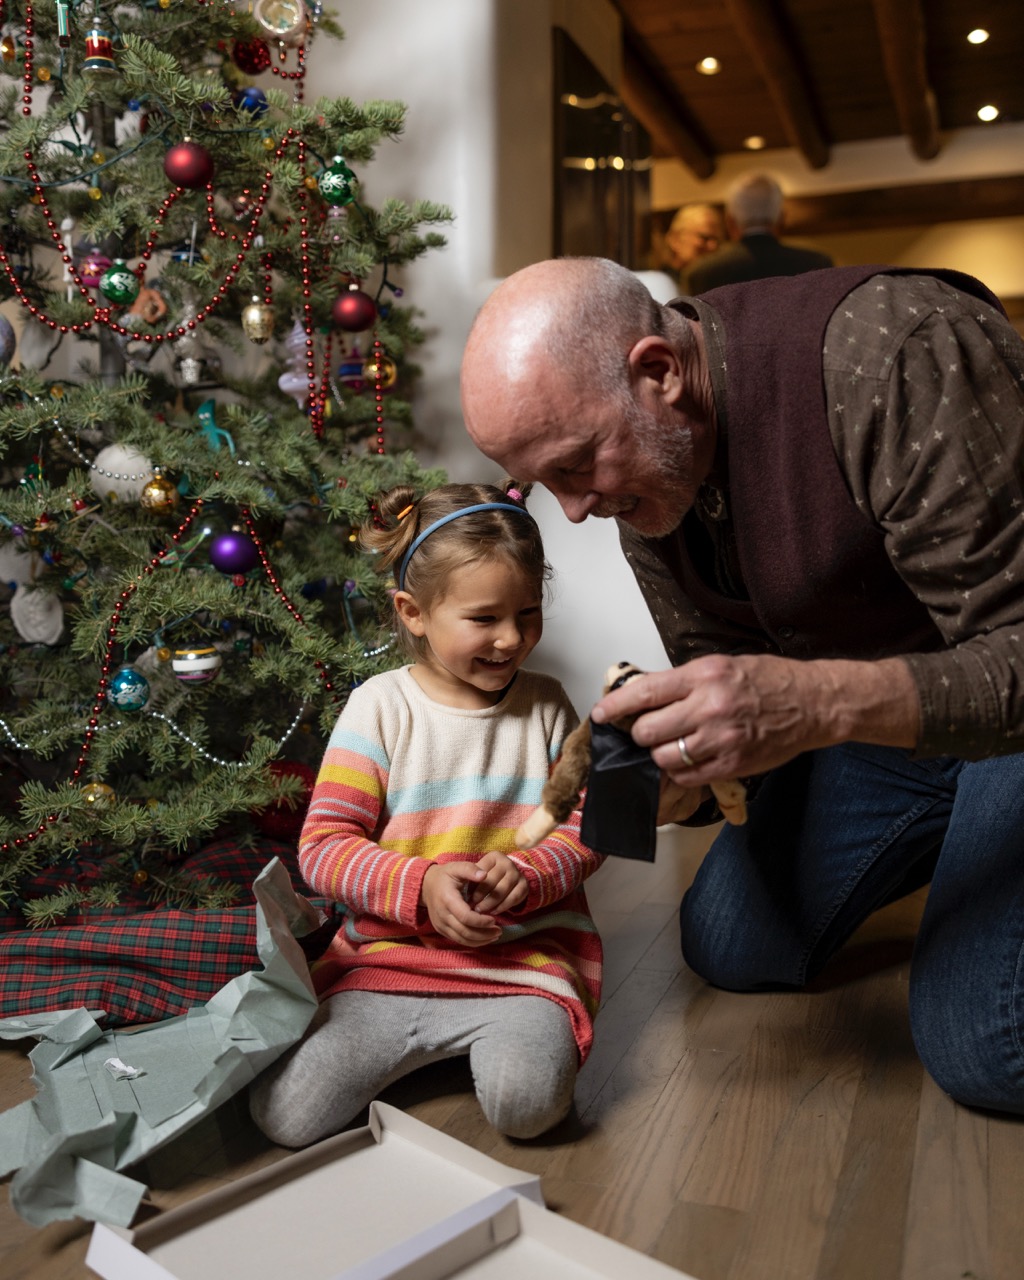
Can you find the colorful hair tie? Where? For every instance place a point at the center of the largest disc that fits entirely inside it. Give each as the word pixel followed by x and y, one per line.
pixel 514 494
pixel 454 515
pixel 405 511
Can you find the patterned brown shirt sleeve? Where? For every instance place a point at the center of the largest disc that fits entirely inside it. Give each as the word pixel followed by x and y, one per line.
pixel 925 397
pixel 925 390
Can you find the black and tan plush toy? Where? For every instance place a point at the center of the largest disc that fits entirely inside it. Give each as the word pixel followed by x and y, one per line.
pixel 623 787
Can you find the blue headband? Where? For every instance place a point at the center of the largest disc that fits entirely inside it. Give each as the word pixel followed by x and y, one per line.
pixel 452 515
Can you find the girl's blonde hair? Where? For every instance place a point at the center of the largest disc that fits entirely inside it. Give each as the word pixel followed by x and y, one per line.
pixel 400 517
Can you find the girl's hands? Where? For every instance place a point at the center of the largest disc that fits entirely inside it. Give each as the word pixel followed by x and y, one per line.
pixel 503 887
pixel 462 898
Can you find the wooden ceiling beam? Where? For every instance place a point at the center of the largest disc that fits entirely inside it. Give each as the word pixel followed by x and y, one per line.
pixel 913 205
pixel 771 51
pixel 901 29
pixel 652 105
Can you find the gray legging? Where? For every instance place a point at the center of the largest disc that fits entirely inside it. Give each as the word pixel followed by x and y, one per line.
pixel 522 1054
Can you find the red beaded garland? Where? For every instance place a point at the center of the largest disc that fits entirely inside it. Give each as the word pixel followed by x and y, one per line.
pixel 101 702
pixel 251 56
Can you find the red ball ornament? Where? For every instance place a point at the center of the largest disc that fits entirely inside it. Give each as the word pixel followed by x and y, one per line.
pixel 188 165
pixel 280 821
pixel 354 311
pixel 251 56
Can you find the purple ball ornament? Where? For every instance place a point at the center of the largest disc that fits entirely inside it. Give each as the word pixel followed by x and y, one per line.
pixel 234 553
pixel 92 267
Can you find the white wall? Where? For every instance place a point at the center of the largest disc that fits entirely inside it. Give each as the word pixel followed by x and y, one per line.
pixel 476 76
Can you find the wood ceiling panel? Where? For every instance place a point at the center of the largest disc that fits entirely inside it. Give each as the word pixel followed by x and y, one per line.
pixel 840 72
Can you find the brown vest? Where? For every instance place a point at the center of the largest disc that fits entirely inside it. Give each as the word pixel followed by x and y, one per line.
pixel 819 579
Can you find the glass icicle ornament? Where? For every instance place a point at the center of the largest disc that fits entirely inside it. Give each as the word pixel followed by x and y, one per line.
pixel 294 381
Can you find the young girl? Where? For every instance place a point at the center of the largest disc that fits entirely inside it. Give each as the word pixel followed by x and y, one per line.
pixel 454 942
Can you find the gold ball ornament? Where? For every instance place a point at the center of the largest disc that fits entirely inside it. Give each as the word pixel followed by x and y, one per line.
pixel 98 794
pixel 388 371
pixel 258 321
pixel 158 494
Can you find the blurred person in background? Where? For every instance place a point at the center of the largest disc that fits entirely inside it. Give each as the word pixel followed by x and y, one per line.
pixel 753 218
pixel 696 231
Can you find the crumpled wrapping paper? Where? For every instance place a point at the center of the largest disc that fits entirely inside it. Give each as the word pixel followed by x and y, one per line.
pixel 68 1145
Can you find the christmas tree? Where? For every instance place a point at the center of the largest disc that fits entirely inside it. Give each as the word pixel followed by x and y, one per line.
pixel 210 391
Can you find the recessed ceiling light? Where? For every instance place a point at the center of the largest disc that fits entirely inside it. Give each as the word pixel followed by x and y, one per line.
pixel 978 36
pixel 988 113
pixel 754 143
pixel 709 66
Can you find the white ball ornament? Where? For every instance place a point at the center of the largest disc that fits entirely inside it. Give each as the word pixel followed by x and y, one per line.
pixel 122 472
pixel 38 615
pixel 196 664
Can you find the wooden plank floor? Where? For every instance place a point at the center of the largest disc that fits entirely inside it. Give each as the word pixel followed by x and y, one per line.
pixel 758 1137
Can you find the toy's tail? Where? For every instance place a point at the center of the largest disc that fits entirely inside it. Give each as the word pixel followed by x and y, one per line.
pixel 732 800
pixel 537 827
pixel 561 793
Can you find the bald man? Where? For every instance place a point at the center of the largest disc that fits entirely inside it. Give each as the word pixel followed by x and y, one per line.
pixel 818 483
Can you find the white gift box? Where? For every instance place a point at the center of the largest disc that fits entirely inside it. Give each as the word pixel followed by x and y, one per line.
pixel 395 1200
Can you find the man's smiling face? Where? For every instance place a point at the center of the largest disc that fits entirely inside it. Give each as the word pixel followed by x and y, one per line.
pixel 597 456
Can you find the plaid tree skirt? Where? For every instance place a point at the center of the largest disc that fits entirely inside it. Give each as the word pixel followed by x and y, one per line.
pixel 144 964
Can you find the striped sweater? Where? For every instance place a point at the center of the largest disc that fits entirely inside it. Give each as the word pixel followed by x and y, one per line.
pixel 405 782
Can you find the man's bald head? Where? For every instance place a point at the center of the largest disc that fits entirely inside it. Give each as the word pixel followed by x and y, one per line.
pixel 565 321
pixel 575 377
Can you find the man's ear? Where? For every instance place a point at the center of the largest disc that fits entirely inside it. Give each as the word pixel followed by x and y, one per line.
pixel 654 367
pixel 409 613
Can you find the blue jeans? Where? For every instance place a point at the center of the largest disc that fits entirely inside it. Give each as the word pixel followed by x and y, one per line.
pixel 836 834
